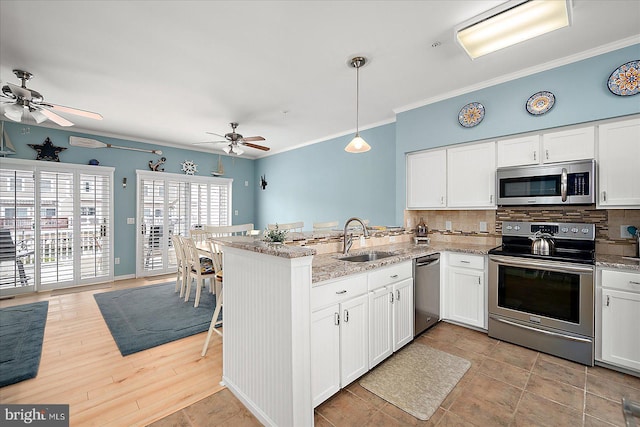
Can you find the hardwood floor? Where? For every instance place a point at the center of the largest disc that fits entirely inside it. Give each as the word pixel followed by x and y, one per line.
pixel 82 366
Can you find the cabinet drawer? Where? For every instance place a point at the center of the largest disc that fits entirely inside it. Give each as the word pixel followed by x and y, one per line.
pixel 336 291
pixel 622 280
pixel 386 275
pixel 466 261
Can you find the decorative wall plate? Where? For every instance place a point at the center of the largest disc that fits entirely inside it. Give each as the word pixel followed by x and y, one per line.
pixel 540 102
pixel 471 114
pixel 624 79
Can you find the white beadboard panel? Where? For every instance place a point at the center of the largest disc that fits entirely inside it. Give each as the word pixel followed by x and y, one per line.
pixel 266 347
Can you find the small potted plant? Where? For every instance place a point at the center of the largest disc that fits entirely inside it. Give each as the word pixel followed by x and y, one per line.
pixel 275 236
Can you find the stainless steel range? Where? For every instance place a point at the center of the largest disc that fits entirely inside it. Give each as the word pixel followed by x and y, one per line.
pixel 541 288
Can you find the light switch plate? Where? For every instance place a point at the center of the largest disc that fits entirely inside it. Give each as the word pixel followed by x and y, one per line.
pixel 483 227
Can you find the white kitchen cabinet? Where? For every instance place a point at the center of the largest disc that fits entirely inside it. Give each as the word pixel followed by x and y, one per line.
pixel 427 179
pixel 339 335
pixel 620 317
pixel 390 310
pixel 465 293
pixel 471 176
pixel 549 147
pixel 518 151
pixel 567 145
pixel 618 158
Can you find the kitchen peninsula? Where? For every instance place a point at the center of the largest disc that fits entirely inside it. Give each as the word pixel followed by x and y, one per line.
pixel 267 319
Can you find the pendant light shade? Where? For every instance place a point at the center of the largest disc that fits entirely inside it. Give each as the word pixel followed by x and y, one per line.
pixel 357 144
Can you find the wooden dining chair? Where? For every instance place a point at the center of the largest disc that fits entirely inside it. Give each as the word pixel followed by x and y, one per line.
pixel 182 273
pixel 216 257
pixel 200 269
pixel 325 226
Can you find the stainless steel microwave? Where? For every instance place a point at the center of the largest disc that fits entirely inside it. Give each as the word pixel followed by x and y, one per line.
pixel 567 183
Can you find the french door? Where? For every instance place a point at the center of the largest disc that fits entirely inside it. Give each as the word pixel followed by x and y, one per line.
pixel 171 204
pixel 55 225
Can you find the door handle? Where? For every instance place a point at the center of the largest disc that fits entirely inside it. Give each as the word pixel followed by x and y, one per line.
pixel 397 294
pixel 336 318
pixel 563 184
pixel 391 295
pixel 346 316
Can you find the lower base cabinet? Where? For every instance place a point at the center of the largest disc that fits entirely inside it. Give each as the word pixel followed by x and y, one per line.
pixel 465 294
pixel 390 320
pixel 620 317
pixel 357 322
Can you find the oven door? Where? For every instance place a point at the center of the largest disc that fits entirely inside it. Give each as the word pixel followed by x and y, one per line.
pixel 538 293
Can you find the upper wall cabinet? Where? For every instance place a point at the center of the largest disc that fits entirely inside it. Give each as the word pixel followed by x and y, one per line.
pixel 471 176
pixel 619 164
pixel 427 179
pixel 550 147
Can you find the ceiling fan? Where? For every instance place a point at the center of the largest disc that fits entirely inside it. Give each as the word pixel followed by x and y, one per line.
pixel 18 101
pixel 234 140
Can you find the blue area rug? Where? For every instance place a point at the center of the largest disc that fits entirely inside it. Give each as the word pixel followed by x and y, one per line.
pixel 146 317
pixel 21 332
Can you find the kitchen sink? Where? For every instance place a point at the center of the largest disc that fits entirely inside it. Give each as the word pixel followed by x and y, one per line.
pixel 366 257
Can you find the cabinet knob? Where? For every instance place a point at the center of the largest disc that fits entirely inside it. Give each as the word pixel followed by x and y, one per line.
pixel 344 291
pixel 547 154
pixel 535 155
pixel 395 276
pixel 336 318
pixel 604 196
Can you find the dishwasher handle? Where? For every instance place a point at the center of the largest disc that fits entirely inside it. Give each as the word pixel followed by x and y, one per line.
pixel 428 261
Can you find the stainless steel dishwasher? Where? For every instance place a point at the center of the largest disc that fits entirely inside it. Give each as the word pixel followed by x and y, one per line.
pixel 426 292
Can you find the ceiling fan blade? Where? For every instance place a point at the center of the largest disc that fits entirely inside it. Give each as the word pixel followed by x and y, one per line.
pixel 210 142
pixel 259 147
pixel 253 138
pixel 216 134
pixel 77 112
pixel 20 91
pixel 54 117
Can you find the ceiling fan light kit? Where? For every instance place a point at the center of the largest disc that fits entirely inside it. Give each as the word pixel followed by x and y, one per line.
pixel 24 102
pixel 357 144
pixel 510 23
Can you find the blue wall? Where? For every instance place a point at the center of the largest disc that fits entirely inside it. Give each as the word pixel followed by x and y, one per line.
pixel 322 182
pixel 126 162
pixel 581 95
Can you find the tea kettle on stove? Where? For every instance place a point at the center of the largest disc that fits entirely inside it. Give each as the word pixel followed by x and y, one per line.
pixel 542 244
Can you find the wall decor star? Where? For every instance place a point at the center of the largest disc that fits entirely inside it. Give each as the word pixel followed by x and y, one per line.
pixel 47 151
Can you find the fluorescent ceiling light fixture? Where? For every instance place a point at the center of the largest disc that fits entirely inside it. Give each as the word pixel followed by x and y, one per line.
pixel 510 23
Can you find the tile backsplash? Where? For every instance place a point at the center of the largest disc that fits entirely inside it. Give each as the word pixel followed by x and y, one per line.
pixel 469 226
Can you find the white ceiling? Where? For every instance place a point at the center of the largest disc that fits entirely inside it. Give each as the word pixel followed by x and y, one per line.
pixel 166 72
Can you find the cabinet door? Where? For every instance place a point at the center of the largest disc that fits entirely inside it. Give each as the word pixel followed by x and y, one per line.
pixel 471 173
pixel 519 151
pixel 620 320
pixel 325 354
pixel 402 313
pixel 466 296
pixel 427 179
pixel 618 160
pixel 380 326
pixel 354 339
pixel 566 145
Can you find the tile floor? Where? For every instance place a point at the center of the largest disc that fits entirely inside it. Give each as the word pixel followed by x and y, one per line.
pixel 506 385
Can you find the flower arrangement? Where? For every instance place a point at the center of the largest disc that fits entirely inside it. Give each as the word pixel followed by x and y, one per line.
pixel 275 236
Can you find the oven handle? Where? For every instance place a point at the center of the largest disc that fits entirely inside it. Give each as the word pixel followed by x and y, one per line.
pixel 555 334
pixel 534 263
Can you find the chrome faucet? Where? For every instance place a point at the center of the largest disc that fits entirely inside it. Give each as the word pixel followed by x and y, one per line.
pixel 348 238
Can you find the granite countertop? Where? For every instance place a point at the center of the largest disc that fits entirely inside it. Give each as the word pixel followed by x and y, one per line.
pixel 329 266
pixel 253 244
pixel 617 261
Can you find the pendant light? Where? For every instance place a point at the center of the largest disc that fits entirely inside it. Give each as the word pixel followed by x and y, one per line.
pixel 357 144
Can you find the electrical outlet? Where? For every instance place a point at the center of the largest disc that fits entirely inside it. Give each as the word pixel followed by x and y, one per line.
pixel 447 225
pixel 483 227
pixel 392 239
pixel 246 183
pixel 362 242
pixel 131 220
pixel 624 233
pixel 236 212
pixel 116 260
